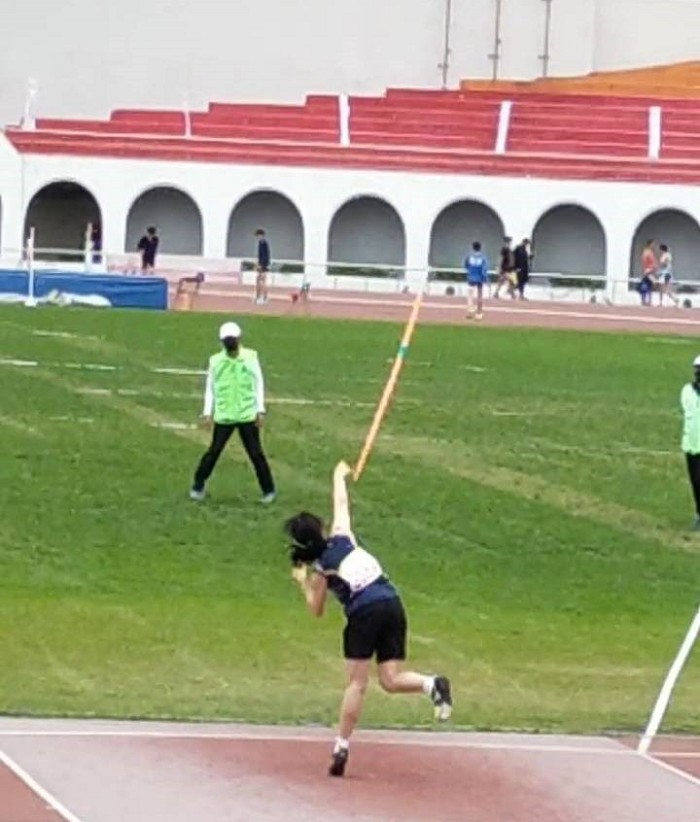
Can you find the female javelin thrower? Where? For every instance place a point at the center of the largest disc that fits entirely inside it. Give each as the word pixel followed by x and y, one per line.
pixel 376 621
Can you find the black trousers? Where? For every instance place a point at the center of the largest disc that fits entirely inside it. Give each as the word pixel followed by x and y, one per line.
pixel 523 278
pixel 250 438
pixel 693 462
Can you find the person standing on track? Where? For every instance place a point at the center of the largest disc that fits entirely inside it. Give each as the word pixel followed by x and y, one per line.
pixel 506 270
pixel 234 398
pixel 523 261
pixel 263 267
pixel 690 443
pixel 649 269
pixel 376 621
pixel 666 275
pixel 477 269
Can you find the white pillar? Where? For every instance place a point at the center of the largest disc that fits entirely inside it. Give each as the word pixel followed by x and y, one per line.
pixel 215 219
pixel 316 247
pixel 417 226
pixel 13 238
pixel 618 266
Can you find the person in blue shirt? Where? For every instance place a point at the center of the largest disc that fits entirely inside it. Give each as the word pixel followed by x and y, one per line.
pixel 477 271
pixel 376 622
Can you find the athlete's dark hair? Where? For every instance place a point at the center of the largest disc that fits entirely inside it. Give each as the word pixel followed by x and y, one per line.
pixel 308 542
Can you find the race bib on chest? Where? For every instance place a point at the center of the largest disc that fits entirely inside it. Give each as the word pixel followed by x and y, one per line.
pixel 359 569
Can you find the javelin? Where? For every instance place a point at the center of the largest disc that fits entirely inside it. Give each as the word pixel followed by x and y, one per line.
pixel 389 388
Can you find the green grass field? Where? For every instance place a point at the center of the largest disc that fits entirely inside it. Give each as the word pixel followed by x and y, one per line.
pixel 527 494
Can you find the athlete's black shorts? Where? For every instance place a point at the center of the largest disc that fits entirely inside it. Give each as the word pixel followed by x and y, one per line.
pixel 377 629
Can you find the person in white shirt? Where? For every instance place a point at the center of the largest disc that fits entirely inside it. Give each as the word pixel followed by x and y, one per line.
pixel 665 275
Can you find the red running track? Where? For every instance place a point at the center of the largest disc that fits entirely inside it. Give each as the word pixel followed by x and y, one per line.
pixel 236 299
pixel 148 772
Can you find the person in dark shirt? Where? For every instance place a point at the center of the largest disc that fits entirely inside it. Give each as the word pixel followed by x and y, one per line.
pixel 375 618
pixel 148 246
pixel 506 269
pixel 523 261
pixel 263 267
pixel 96 242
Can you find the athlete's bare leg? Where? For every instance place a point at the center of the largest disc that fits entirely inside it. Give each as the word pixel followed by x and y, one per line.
pixel 357 675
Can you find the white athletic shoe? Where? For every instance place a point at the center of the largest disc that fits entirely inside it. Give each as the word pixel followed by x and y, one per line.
pixel 441 697
pixel 197 496
pixel 269 498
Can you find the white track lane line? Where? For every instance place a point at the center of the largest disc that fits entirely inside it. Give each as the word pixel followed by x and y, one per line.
pixel 489 309
pixel 439 740
pixel 36 788
pixel 666 766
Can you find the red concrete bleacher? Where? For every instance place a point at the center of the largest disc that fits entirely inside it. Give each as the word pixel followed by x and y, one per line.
pixel 552 134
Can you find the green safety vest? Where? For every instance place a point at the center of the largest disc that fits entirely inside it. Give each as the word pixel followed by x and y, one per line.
pixel 690 403
pixel 234 386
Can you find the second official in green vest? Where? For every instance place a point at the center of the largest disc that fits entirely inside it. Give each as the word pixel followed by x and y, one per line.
pixel 690 444
pixel 234 398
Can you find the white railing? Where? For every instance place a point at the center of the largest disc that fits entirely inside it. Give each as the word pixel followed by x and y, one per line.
pixel 341 276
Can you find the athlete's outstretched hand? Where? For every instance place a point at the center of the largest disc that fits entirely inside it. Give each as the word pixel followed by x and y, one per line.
pixel 300 573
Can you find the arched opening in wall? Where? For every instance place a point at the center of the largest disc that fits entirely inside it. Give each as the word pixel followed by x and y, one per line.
pixel 173 213
pixel 458 226
pixel 676 229
pixel 59 213
pixel 569 239
pixel 366 232
pixel 280 219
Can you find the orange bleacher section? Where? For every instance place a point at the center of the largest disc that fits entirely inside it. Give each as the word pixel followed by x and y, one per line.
pixel 595 127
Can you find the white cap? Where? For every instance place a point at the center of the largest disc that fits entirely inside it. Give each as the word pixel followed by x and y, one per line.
pixel 696 361
pixel 230 330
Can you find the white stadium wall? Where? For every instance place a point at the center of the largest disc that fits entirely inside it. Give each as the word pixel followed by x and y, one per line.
pixel 129 55
pixel 366 217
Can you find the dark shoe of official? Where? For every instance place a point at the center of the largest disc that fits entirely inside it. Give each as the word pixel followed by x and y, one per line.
pixel 441 696
pixel 339 760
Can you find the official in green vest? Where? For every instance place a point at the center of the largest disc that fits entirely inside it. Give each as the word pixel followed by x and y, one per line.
pixel 690 403
pixel 234 398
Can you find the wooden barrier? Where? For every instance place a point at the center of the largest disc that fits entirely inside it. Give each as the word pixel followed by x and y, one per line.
pixel 676 81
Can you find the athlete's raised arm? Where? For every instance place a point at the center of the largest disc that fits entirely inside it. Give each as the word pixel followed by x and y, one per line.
pixel 341 504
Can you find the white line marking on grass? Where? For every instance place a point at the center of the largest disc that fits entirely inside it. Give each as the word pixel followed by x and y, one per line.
pixel 666 692
pixel 421 363
pixel 475 369
pixel 671 340
pixel 174 426
pixel 179 372
pixel 603 452
pixel 66 335
pixel 132 392
pixel 20 363
pixel 88 366
pixel 36 788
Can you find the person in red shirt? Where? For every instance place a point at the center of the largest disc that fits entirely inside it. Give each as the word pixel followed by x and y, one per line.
pixel 649 269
